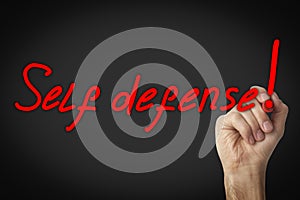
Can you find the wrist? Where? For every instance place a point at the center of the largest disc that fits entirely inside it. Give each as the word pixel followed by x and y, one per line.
pixel 247 170
pixel 245 183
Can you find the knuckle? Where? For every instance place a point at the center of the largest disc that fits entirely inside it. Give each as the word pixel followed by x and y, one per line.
pixel 220 119
pixel 260 89
pixel 235 116
pixel 285 107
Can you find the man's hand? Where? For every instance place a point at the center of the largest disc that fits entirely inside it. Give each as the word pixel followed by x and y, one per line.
pixel 245 142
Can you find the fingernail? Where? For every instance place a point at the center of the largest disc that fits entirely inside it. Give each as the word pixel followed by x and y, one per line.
pixel 268 126
pixel 260 135
pixel 251 140
pixel 264 96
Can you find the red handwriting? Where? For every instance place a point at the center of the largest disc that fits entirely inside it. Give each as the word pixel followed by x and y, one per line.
pixel 185 103
pixel 124 101
pixel 49 102
pixel 143 103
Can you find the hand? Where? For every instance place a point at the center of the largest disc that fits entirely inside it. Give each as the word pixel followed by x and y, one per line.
pixel 245 142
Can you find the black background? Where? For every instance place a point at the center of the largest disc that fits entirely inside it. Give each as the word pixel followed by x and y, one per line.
pixel 40 160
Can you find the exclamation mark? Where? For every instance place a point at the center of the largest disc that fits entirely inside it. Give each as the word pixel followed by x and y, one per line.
pixel 268 104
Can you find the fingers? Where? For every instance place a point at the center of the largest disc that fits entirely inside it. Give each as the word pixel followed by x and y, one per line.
pixel 237 121
pixel 279 115
pixel 251 120
pixel 276 124
pixel 253 124
pixel 262 94
pixel 262 118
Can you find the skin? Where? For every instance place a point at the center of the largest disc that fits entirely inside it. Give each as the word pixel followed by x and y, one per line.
pixel 245 142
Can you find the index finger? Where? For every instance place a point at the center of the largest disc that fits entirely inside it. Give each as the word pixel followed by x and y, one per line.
pixel 262 94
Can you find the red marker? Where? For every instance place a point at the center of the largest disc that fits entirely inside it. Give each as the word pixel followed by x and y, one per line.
pixel 268 104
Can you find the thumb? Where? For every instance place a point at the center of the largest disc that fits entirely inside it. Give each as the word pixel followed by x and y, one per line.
pixel 279 115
